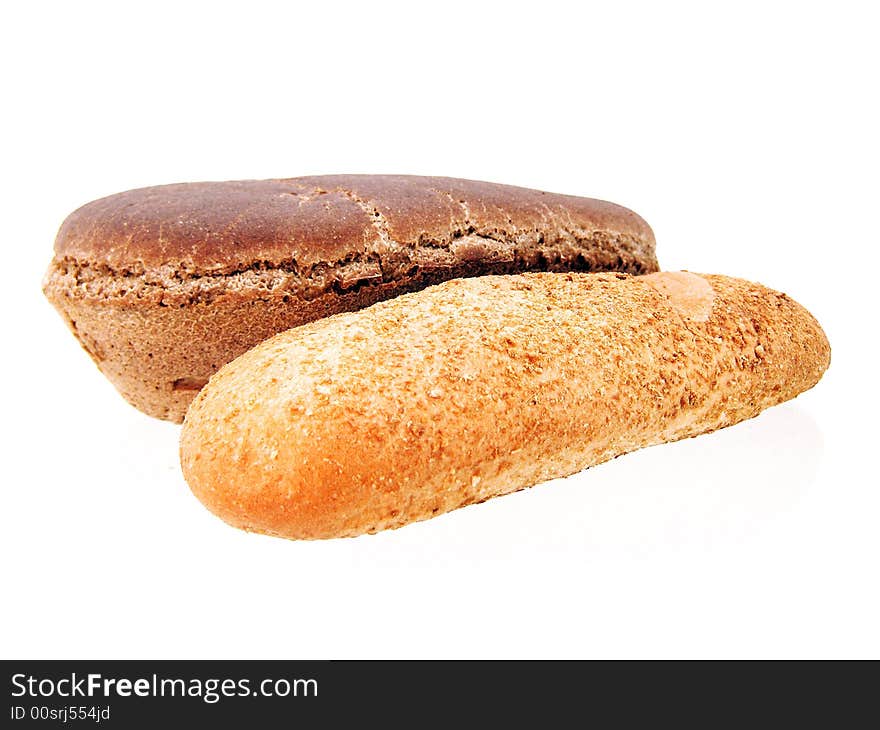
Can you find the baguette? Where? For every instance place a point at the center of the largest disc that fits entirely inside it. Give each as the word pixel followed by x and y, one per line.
pixel 475 388
pixel 163 285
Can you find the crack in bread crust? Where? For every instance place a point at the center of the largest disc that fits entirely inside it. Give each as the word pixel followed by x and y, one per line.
pixel 171 285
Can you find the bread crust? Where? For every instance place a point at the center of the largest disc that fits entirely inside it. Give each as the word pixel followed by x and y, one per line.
pixel 479 387
pixel 163 285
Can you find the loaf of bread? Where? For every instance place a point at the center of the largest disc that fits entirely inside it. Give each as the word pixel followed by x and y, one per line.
pixel 478 387
pixel 164 285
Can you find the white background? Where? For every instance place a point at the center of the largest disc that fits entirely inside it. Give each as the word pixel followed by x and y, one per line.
pixel 747 137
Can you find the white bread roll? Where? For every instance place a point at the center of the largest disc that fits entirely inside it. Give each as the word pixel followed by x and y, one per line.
pixel 475 388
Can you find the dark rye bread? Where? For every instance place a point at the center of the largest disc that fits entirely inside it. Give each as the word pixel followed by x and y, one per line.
pixel 164 285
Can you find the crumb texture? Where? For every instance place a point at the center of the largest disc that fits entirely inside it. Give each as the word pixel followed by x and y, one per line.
pixel 478 387
pixel 163 285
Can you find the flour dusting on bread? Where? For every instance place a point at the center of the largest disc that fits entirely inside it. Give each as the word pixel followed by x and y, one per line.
pixel 691 295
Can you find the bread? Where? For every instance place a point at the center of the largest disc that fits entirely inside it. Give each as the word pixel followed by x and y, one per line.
pixel 164 285
pixel 478 387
